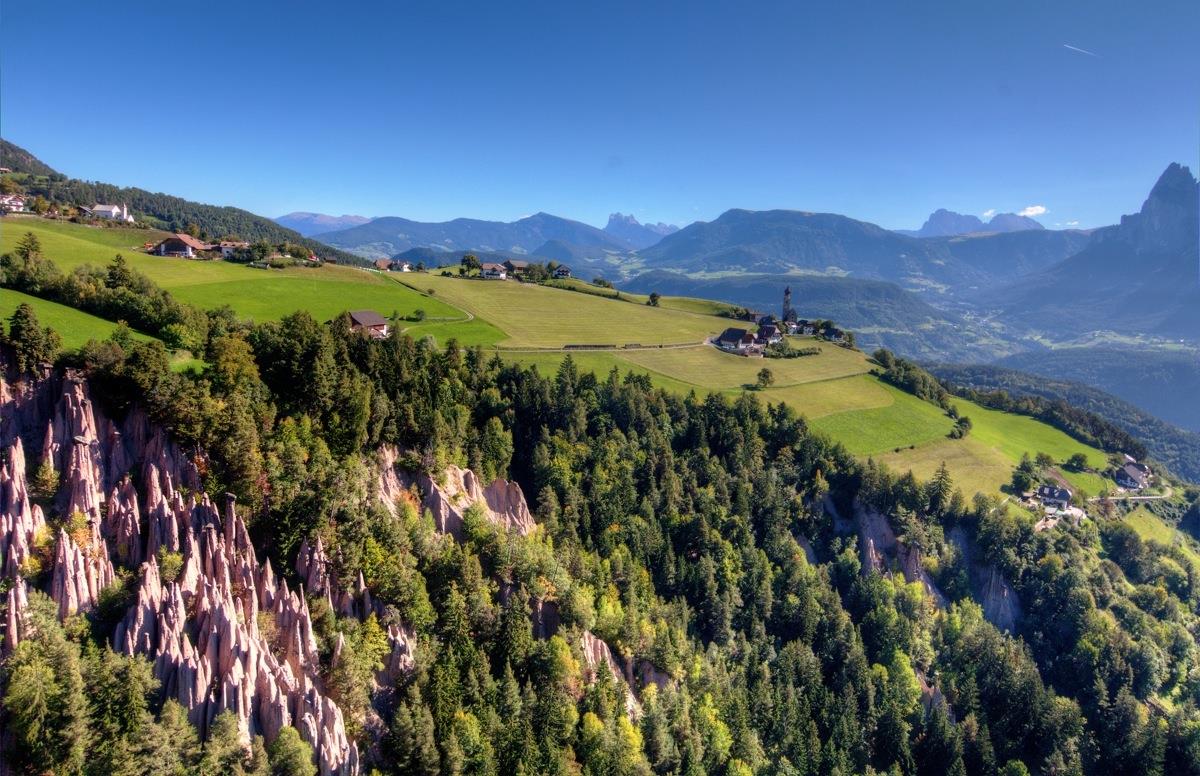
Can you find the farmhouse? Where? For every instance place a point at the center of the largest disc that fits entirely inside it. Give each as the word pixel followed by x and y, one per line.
pixel 1054 496
pixel 834 334
pixel 230 247
pixel 111 212
pixel 515 266
pixel 369 321
pixel 383 264
pixel 768 334
pixel 401 266
pixel 735 340
pixel 1133 476
pixel 181 245
pixel 12 203
pixel 562 271
pixel 493 271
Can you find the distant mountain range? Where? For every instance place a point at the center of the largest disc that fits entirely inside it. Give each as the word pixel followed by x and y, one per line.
pixel 389 235
pixel 310 224
pixel 1139 276
pixel 781 241
pixel 947 223
pixel 635 233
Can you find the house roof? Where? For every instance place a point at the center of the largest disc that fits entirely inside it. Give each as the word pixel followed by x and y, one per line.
pixel 492 265
pixel 189 241
pixel 106 208
pixel 234 244
pixel 733 334
pixel 517 263
pixel 367 318
pixel 383 264
pixel 1139 473
pixel 1054 492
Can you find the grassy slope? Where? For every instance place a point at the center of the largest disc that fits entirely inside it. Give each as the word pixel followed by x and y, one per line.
pixel 1150 526
pixel 75 327
pixel 255 293
pixel 832 389
pixel 541 317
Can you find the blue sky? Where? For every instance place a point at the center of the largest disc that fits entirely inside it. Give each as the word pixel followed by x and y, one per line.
pixel 672 111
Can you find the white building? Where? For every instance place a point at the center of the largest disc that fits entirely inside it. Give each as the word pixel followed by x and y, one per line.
pixel 112 213
pixel 12 203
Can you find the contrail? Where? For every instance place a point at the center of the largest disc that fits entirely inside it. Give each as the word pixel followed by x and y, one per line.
pixel 1081 51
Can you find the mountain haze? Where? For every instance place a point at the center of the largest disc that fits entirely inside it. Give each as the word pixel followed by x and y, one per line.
pixel 947 223
pixel 390 235
pixel 1141 275
pixel 309 224
pixel 781 241
pixel 637 234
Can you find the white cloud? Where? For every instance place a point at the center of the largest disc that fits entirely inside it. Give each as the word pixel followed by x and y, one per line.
pixel 1072 223
pixel 991 211
pixel 1033 210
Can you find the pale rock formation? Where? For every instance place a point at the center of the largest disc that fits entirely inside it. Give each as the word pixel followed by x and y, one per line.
pixel 20 520
pixel 457 489
pixel 1001 605
pixel 226 633
pixel 597 654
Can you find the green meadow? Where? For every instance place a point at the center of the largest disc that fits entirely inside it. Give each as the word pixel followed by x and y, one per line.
pixel 259 294
pixel 1150 526
pixel 74 326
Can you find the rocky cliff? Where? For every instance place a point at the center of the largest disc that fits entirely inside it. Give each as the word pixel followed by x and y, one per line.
pixel 452 493
pixel 224 632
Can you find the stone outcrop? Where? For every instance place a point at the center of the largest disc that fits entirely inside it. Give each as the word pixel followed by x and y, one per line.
pixel 880 548
pixel 456 490
pixel 1000 603
pixel 597 656
pixel 225 632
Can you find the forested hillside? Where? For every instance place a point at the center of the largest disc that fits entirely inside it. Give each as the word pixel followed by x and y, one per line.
pixel 167 212
pixel 697 585
pixel 1177 448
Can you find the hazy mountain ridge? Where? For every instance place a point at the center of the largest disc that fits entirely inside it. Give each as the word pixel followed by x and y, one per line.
pixel 1176 447
pixel 390 235
pixel 1141 275
pixel 312 224
pixel 637 234
pixel 947 223
pixel 781 241
pixel 1162 382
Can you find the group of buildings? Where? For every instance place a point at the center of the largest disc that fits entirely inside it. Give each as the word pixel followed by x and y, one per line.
pixel 1132 475
pixel 491 270
pixel 393 265
pixel 771 330
pixel 186 247
pixel 18 203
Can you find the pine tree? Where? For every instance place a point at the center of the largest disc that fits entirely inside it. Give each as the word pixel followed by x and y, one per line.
pixel 44 698
pixel 291 755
